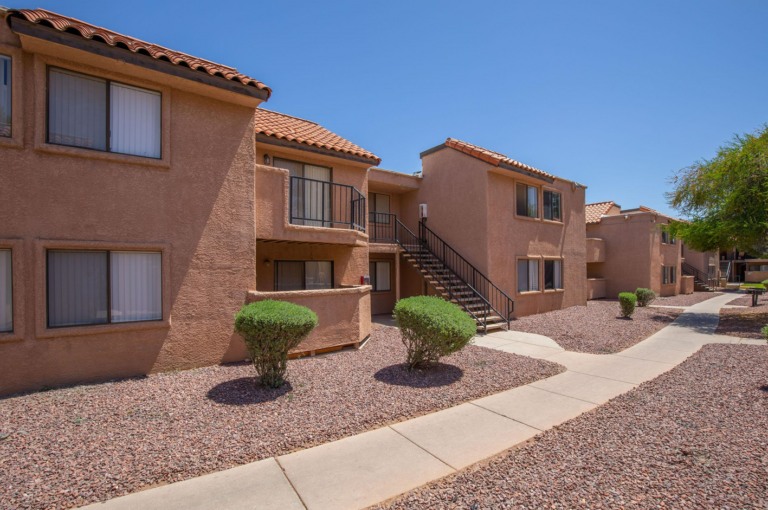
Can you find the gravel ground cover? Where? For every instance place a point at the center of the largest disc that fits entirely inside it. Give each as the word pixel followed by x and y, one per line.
pixel 744 322
pixel 68 447
pixel 685 299
pixel 597 328
pixel 694 437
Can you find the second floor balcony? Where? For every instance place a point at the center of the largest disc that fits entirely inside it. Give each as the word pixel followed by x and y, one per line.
pixel 317 203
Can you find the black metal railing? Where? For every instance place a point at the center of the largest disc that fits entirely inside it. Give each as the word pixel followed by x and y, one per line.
pixel 382 227
pixel 699 276
pixel 496 298
pixel 326 204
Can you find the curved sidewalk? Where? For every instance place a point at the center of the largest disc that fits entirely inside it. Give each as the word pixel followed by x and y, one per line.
pixel 368 468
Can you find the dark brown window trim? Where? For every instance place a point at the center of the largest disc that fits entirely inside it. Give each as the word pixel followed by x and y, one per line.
pixel 303 275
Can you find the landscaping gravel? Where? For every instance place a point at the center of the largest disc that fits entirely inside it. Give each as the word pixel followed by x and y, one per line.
pixel 685 299
pixel 744 322
pixel 597 328
pixel 72 446
pixel 694 437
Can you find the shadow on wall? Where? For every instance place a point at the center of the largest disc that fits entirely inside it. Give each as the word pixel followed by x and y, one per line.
pixel 440 374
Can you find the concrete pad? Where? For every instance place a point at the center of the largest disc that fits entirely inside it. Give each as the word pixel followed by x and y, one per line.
pixel 535 407
pixel 654 352
pixel 625 369
pixel 597 390
pixel 257 486
pixel 671 343
pixel 571 360
pixel 753 341
pixel 490 341
pixel 721 339
pixel 533 351
pixel 359 471
pixel 464 434
pixel 526 338
pixel 669 306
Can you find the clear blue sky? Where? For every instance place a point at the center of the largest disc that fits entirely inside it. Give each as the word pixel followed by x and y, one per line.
pixel 615 95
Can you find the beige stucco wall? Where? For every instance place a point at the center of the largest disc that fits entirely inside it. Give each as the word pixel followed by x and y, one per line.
pixel 595 288
pixel 595 250
pixel 343 315
pixel 195 205
pixel 686 285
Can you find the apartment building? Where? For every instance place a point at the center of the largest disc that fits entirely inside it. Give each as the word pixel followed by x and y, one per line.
pixel 499 237
pixel 629 248
pixel 127 240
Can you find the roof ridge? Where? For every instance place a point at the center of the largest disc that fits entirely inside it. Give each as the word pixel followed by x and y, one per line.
pixel 286 115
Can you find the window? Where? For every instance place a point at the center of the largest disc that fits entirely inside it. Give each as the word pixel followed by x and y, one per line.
pixel 666 237
pixel 6 291
pixel 668 275
pixel 94 113
pixel 380 273
pixel 311 201
pixel 527 201
pixel 552 201
pixel 303 275
pixel 378 203
pixel 5 95
pixel 553 274
pixel 99 287
pixel 527 275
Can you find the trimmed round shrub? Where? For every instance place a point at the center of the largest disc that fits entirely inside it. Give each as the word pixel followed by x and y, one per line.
pixel 271 329
pixel 764 331
pixel 431 328
pixel 627 301
pixel 644 297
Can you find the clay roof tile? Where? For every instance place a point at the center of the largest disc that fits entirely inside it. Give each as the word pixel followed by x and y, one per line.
pixel 595 212
pixel 494 158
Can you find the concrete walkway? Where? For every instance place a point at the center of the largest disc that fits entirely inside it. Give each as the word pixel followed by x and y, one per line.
pixel 368 468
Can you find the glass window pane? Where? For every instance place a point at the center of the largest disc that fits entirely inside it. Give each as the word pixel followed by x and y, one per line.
pixel 547 205
pixel 136 286
pixel 77 110
pixel 372 274
pixel 77 287
pixel 522 275
pixel 134 121
pixel 382 276
pixel 533 202
pixel 558 274
pixel 533 274
pixel 289 275
pixel 522 206
pixel 318 274
pixel 556 207
pixel 5 96
pixel 549 274
pixel 6 291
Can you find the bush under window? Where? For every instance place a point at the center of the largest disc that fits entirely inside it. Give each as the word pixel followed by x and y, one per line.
pixel 644 297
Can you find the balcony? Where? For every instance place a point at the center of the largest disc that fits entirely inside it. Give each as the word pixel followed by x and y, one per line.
pixel 295 209
pixel 382 227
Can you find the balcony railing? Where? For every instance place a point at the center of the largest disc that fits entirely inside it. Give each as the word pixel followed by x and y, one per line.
pixel 326 204
pixel 382 227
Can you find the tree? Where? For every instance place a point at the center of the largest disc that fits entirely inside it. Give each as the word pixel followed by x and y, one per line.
pixel 725 198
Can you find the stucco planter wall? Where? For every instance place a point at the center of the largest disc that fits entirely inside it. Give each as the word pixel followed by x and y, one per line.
pixel 595 288
pixel 686 285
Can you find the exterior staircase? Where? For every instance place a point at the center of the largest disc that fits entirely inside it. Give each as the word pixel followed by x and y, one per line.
pixel 453 278
pixel 701 281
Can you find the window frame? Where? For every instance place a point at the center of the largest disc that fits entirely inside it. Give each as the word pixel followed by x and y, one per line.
pixel 10 88
pixel 10 250
pixel 538 201
pixel 108 120
pixel 303 275
pixel 372 274
pixel 562 273
pixel 109 322
pixel 373 213
pixel 544 191
pixel 528 272
pixel 668 275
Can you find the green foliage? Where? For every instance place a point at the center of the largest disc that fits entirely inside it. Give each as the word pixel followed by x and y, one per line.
pixel 271 329
pixel 431 328
pixel 764 331
pixel 726 198
pixel 627 301
pixel 644 296
pixel 752 286
pixel 764 282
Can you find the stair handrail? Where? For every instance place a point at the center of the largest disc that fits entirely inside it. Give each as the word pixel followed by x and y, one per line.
pixel 418 243
pixel 696 273
pixel 510 304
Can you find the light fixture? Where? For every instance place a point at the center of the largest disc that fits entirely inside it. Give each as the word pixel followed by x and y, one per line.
pixel 266 159
pixel 267 262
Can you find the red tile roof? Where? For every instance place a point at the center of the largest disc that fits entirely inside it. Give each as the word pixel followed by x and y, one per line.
pixel 492 157
pixel 88 31
pixel 595 212
pixel 286 127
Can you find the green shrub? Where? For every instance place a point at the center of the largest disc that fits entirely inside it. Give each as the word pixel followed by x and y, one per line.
pixel 644 297
pixel 271 329
pixel 627 301
pixel 764 283
pixel 764 331
pixel 431 328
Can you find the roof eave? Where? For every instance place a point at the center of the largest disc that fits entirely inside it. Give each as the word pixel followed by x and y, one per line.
pixel 52 35
pixel 281 142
